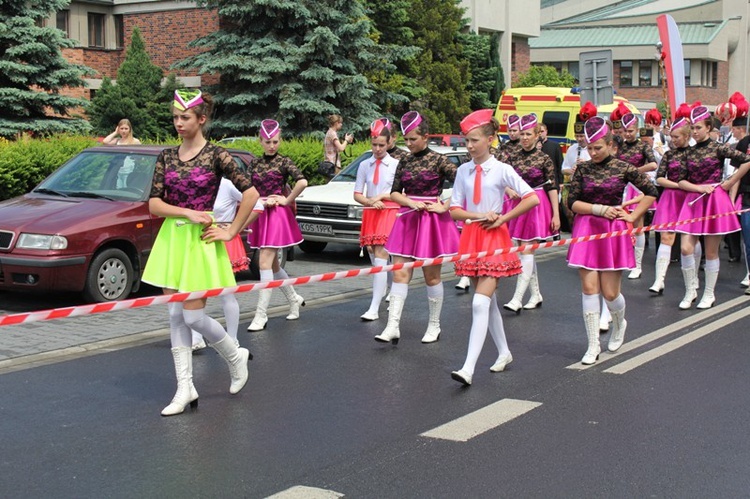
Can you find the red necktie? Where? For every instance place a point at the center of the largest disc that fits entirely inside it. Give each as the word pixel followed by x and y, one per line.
pixel 376 175
pixel 477 184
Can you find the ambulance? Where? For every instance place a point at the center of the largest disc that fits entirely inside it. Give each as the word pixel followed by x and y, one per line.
pixel 556 107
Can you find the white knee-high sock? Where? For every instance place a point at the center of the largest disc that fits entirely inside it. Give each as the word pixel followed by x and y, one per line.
pixel 496 327
pixel 179 332
pixel 435 291
pixel 688 261
pixel 266 275
pixel 480 307
pixel 713 265
pixel 379 282
pixel 231 314
pixel 616 304
pixel 640 241
pixel 527 264
pixel 664 252
pixel 590 303
pixel 281 274
pixel 400 289
pixel 203 324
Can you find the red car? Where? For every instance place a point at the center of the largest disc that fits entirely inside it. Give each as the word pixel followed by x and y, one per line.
pixel 446 139
pixel 86 227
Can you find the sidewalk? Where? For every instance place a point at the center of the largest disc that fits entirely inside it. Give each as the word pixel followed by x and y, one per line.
pixel 35 343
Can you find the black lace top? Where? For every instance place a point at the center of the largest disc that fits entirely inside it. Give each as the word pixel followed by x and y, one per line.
pixel 194 183
pixel 423 174
pixel 398 153
pixel 705 162
pixel 636 153
pixel 671 163
pixel 271 173
pixel 605 182
pixel 507 149
pixel 535 167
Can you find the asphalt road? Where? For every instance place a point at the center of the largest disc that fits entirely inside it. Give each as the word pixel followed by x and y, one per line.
pixel 330 409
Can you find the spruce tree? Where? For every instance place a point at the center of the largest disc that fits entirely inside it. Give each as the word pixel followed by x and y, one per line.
pixel 485 70
pixel 296 61
pixel 138 96
pixel 33 72
pixel 440 68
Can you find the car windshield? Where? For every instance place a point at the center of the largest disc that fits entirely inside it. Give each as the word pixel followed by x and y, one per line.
pixel 349 174
pixel 104 175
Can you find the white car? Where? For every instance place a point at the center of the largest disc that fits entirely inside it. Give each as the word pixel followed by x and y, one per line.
pixel 328 213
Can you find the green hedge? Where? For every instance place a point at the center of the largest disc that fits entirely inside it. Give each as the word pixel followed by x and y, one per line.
pixel 306 153
pixel 25 163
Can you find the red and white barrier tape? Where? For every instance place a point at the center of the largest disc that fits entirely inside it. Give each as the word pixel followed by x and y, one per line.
pixel 98 308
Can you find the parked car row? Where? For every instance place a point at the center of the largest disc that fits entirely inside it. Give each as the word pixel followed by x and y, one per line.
pixel 87 227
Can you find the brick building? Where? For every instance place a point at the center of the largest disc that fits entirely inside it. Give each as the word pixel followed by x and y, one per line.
pixel 714 35
pixel 103 29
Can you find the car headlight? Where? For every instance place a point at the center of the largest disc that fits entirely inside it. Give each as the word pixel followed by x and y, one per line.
pixel 354 212
pixel 42 242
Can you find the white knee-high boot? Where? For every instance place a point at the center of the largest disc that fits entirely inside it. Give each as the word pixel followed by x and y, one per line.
pixel 640 241
pixel 295 302
pixel 522 283
pixel 261 315
pixel 662 264
pixel 379 283
pixel 432 334
pixel 619 324
pixel 712 274
pixel 535 300
pixel 186 393
pixel 591 304
pixel 236 359
pixel 392 332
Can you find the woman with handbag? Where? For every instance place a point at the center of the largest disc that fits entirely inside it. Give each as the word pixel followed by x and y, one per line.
pixel 332 146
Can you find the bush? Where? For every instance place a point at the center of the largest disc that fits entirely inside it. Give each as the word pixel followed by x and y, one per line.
pixel 26 162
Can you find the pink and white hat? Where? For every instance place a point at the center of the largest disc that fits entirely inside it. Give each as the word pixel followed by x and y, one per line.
pixel 476 119
pixel 628 120
pixel 184 99
pixel 528 122
pixel 378 125
pixel 699 113
pixel 269 129
pixel 680 122
pixel 410 121
pixel 514 121
pixel 594 129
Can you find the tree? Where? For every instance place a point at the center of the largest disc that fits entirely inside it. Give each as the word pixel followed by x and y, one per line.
pixel 440 69
pixel 138 95
pixel 544 75
pixel 486 80
pixel 296 61
pixel 33 72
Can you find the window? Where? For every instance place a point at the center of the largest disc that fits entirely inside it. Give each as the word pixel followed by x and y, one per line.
pixel 513 56
pixel 626 73
pixel 644 73
pixel 687 72
pixel 557 123
pixel 574 70
pixel 96 30
pixel 119 32
pixel 714 73
pixel 62 21
pixel 557 66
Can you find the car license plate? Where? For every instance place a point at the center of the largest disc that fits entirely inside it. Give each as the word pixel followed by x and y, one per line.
pixel 316 228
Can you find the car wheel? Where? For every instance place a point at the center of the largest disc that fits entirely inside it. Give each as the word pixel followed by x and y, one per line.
pixel 110 276
pixel 312 246
pixel 281 254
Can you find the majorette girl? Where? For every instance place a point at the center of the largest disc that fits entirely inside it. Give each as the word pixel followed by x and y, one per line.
pixel 706 196
pixel 513 144
pixel 375 179
pixel 537 170
pixel 672 197
pixel 424 228
pixel 478 199
pixel 595 194
pixel 275 226
pixel 640 155
pixel 190 256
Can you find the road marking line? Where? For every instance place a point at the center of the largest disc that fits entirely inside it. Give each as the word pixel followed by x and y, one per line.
pixel 302 492
pixel 660 333
pixel 482 420
pixel 670 346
